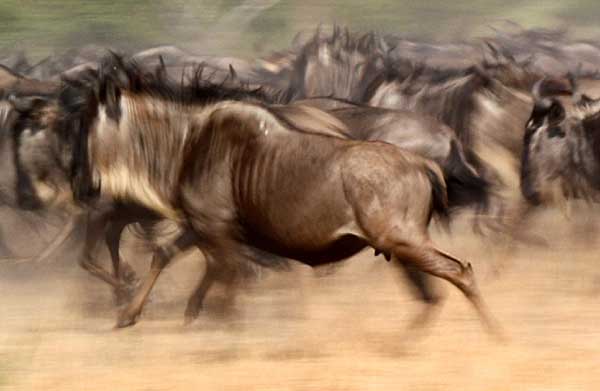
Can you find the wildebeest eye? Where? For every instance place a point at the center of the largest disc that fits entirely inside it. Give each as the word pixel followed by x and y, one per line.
pixel 555 131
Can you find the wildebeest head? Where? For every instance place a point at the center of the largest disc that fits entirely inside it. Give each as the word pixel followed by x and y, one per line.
pixel 340 65
pixel 50 147
pixel 561 151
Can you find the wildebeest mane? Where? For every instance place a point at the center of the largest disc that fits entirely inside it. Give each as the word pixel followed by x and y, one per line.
pixel 128 75
pixel 459 100
pixel 78 110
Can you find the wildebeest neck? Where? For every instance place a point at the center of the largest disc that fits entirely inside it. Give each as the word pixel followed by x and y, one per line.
pixel 136 158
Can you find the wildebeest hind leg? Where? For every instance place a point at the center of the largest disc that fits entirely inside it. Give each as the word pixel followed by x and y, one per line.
pixel 217 269
pixel 433 261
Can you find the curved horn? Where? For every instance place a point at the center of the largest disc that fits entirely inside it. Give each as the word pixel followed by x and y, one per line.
pixel 538 98
pixel 494 50
pixel 572 81
pixel 233 73
pixel 537 89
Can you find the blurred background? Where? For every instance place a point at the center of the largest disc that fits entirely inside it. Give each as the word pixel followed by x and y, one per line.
pixel 249 28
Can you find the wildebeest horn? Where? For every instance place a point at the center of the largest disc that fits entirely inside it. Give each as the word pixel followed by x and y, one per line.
pixel 233 73
pixel 537 94
pixel 572 81
pixel 572 77
pixel 536 90
pixel 492 47
pixel 161 69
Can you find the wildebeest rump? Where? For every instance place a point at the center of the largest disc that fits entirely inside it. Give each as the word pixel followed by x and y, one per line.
pixel 419 134
pixel 248 187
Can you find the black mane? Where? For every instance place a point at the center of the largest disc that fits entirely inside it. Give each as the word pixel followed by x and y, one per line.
pixel 128 75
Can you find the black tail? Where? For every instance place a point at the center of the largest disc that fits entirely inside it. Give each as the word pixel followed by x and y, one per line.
pixel 439 198
pixel 465 186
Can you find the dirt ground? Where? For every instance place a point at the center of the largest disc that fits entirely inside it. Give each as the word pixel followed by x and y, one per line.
pixel 343 329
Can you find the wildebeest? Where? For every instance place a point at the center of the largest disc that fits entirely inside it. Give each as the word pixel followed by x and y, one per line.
pixel 247 187
pixel 340 65
pixel 561 149
pixel 13 82
pixel 416 133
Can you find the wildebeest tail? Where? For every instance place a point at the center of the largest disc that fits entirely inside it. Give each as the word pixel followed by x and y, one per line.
pixel 439 196
pixel 466 187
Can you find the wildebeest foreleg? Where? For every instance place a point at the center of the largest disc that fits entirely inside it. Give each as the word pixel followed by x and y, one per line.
pixel 222 272
pixel 161 258
pixel 96 228
pixel 194 305
pixel 121 270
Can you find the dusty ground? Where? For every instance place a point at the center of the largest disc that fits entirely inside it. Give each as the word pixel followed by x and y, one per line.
pixel 303 330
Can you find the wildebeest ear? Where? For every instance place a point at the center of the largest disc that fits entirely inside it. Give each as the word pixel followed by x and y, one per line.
pixel 26 104
pixel 481 73
pixel 586 101
pixel 114 77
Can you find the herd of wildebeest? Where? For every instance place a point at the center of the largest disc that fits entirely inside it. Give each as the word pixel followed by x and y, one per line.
pixel 344 141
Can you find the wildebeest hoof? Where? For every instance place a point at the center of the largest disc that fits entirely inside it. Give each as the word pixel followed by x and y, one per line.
pixel 191 314
pixel 387 255
pixel 126 320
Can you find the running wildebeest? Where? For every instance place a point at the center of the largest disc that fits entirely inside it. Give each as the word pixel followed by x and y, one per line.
pixel 247 187
pixel 561 150
pixel 416 133
pixel 340 65
pixel 12 82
